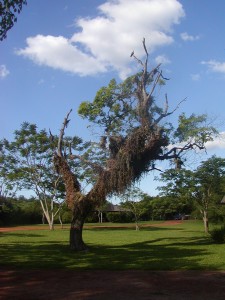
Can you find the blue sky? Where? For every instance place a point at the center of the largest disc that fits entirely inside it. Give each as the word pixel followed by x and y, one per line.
pixel 60 53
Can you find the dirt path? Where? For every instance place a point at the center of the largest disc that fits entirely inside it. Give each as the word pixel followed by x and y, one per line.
pixel 111 285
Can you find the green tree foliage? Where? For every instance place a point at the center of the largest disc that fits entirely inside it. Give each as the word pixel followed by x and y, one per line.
pixel 9 9
pixel 168 207
pixel 28 162
pixel 19 211
pixel 205 186
pixel 132 202
pixel 8 176
pixel 208 186
pixel 120 217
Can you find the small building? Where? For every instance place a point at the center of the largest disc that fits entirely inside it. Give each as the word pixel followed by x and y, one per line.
pixel 223 200
pixel 109 207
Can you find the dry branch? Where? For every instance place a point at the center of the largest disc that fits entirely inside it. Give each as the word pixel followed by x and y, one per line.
pixel 62 131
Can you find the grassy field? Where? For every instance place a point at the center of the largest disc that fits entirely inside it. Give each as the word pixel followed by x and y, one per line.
pixel 177 247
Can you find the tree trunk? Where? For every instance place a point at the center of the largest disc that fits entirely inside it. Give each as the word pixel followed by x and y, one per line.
pixel 206 221
pixel 60 221
pixel 76 238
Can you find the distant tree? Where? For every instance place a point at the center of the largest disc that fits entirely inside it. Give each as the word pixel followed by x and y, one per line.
pixel 131 200
pixel 205 186
pixel 133 139
pixel 208 186
pixel 9 9
pixel 5 211
pixel 177 183
pixel 146 204
pixel 168 207
pixel 31 165
pixel 8 177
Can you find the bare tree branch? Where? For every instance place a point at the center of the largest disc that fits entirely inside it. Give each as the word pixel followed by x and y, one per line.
pixel 62 131
pixel 166 113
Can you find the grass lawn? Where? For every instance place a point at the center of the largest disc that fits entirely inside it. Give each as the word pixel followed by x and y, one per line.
pixel 177 247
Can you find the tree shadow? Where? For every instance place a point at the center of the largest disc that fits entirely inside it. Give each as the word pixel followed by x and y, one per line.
pixel 24 234
pixel 155 254
pixel 141 228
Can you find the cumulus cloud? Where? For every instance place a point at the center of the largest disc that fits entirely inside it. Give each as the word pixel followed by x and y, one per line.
pixel 187 37
pixel 3 71
pixel 215 66
pixel 217 143
pixel 103 43
pixel 162 59
pixel 60 53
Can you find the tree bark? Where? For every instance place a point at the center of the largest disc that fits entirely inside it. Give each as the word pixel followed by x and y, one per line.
pixel 76 237
pixel 206 221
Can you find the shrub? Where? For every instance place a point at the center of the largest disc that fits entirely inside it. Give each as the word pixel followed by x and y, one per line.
pixel 218 235
pixel 120 217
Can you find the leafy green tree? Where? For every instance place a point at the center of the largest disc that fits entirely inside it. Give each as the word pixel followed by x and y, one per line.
pixel 30 162
pixel 205 186
pixel 208 186
pixel 131 200
pixel 134 137
pixel 177 183
pixel 8 177
pixel 9 9
pixel 168 207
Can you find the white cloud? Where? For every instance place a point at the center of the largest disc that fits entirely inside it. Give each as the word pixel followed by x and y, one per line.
pixel 215 66
pixel 187 37
pixel 217 143
pixel 60 53
pixel 162 59
pixel 3 71
pixel 195 77
pixel 105 42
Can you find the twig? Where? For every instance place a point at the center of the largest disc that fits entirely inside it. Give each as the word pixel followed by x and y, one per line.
pixel 62 131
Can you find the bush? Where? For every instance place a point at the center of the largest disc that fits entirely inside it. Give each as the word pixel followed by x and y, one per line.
pixel 92 218
pixel 120 217
pixel 218 235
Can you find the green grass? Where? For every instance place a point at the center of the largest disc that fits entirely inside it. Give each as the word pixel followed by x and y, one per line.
pixel 177 247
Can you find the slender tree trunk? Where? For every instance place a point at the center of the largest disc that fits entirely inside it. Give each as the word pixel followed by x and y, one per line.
pixel 206 221
pixel 60 221
pixel 137 226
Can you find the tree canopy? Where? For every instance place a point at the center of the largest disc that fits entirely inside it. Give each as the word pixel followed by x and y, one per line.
pixel 204 185
pixel 9 9
pixel 134 136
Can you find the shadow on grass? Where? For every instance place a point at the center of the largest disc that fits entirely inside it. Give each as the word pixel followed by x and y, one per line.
pixel 17 234
pixel 132 228
pixel 155 254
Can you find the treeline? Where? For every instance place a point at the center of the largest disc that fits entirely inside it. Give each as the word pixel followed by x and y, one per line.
pixel 23 211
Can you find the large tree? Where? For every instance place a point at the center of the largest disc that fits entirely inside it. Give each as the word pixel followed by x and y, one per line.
pixel 9 9
pixel 134 137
